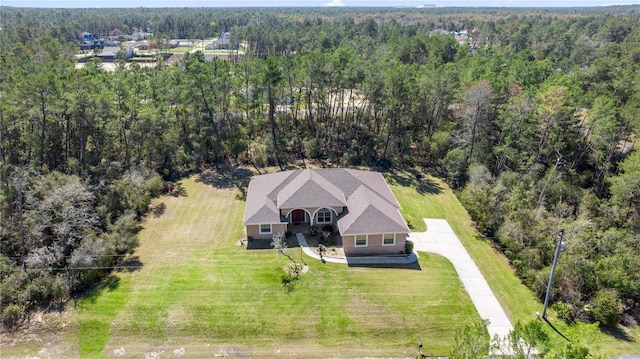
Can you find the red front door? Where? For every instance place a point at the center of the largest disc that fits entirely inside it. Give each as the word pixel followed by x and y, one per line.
pixel 297 216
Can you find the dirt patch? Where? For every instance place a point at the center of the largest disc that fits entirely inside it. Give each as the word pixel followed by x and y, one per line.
pixel 42 335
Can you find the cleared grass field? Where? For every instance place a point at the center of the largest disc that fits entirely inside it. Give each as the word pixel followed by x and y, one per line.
pixel 431 198
pixel 200 294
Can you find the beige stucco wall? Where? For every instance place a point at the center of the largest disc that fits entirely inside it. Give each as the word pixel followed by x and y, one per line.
pixel 253 230
pixel 374 246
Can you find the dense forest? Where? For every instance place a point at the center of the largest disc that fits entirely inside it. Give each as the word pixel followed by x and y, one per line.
pixel 533 121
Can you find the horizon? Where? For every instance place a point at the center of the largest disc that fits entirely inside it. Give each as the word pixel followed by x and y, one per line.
pixel 79 4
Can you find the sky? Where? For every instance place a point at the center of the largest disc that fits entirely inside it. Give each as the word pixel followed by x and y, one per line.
pixel 306 3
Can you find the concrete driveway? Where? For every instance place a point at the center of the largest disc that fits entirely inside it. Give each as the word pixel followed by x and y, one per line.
pixel 440 239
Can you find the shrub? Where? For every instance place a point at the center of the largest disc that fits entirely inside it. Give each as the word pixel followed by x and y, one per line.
pixel 313 230
pixel 408 247
pixel 575 351
pixel 607 308
pixel 12 287
pixel 122 233
pixel 154 185
pixel 39 289
pixel 11 314
pixel 59 290
pixel 327 228
pixel 564 311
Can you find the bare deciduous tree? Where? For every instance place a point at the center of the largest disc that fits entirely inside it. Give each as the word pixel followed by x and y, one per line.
pixel 280 244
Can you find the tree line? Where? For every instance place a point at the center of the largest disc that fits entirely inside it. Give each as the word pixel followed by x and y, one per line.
pixel 533 121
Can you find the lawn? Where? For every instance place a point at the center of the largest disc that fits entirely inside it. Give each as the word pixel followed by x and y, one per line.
pixel 431 198
pixel 200 294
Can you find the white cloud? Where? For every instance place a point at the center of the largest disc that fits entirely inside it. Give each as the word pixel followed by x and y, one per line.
pixel 335 3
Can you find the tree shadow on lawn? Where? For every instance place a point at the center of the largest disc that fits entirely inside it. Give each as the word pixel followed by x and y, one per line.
pixel 159 209
pixel 227 177
pixel 414 178
pixel 556 329
pixel 130 264
pixel 108 283
pixel 178 190
pixel 618 333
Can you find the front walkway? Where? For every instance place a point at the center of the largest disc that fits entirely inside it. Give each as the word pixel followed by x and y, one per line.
pixel 440 239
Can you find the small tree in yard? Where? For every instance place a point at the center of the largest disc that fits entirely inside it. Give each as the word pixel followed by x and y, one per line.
pixel 471 342
pixel 525 341
pixel 293 270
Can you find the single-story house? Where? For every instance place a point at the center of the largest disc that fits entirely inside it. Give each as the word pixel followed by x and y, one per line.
pixel 110 53
pixel 359 204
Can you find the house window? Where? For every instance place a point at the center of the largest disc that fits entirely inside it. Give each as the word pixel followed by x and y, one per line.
pixel 389 239
pixel 361 240
pixel 265 229
pixel 324 216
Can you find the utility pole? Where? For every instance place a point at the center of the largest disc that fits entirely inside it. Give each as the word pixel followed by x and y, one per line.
pixel 553 269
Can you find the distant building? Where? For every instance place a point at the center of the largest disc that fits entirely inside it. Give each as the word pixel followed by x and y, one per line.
pixel 426 6
pixel 89 42
pixel 222 42
pixel 136 36
pixel 86 36
pixel 110 53
pixel 86 45
pixel 462 37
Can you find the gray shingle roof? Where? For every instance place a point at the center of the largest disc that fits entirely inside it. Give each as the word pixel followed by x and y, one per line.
pixel 370 213
pixel 260 206
pixel 310 189
pixel 371 206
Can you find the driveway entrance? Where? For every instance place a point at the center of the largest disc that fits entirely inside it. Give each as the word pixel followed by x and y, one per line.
pixel 440 239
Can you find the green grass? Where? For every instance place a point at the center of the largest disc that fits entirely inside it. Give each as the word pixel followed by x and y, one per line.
pixel 200 292
pixel 436 200
pixel 432 198
pixel 93 330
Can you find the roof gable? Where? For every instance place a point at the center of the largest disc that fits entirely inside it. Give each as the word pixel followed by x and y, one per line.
pixel 309 189
pixel 376 184
pixel 261 208
pixel 371 213
pixel 266 213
